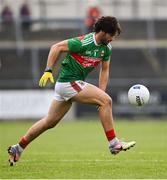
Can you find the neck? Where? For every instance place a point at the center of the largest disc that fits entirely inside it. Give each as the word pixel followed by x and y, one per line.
pixel 98 38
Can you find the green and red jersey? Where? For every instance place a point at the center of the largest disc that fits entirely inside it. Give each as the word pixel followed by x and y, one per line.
pixel 83 56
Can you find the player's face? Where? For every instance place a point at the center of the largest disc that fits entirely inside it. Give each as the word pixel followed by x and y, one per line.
pixel 107 38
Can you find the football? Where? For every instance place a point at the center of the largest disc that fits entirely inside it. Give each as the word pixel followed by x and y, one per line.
pixel 138 95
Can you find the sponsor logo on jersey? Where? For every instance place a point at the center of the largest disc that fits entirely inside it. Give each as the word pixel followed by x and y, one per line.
pixel 86 61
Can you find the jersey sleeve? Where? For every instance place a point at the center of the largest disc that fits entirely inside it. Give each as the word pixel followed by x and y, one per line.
pixel 74 44
pixel 108 53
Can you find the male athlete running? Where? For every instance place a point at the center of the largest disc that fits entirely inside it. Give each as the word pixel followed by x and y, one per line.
pixel 84 53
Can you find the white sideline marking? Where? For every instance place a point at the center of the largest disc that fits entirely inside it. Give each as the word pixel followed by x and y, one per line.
pixel 99 160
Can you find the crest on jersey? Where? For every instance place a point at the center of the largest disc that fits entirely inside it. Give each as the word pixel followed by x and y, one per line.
pixel 102 53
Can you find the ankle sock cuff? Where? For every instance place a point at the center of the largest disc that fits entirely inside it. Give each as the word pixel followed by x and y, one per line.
pixel 110 134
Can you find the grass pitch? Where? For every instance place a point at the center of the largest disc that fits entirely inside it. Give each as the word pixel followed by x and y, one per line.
pixel 79 150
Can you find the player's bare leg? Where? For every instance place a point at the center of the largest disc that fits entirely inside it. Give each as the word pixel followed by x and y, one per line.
pixel 93 95
pixel 56 112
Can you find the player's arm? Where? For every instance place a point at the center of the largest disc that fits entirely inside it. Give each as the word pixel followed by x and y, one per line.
pixel 72 45
pixel 54 53
pixel 104 75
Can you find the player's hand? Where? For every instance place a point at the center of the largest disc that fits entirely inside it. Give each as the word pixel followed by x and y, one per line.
pixel 47 76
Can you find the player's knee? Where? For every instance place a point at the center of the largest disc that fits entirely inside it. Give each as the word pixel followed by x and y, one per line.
pixel 107 101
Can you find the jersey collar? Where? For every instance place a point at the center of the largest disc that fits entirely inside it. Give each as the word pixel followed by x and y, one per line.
pixel 94 39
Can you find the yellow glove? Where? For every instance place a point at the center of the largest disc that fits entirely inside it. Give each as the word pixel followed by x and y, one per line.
pixel 46 76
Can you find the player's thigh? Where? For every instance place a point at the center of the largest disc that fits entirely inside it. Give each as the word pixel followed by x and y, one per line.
pixel 92 95
pixel 58 109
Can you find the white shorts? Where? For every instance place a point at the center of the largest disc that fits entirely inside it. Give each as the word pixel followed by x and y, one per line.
pixel 66 90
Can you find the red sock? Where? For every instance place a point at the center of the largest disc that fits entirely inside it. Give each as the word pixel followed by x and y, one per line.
pixel 110 134
pixel 23 142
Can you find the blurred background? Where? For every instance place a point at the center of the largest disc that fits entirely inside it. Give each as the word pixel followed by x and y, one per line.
pixel 29 28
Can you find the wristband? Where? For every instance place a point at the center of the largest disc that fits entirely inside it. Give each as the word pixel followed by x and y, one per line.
pixel 48 70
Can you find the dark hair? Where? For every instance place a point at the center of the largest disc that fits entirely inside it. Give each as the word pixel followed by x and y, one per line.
pixel 108 24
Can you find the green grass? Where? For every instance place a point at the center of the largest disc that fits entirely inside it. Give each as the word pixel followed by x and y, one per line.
pixel 75 150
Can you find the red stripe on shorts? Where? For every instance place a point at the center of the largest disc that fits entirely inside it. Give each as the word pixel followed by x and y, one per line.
pixel 75 86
